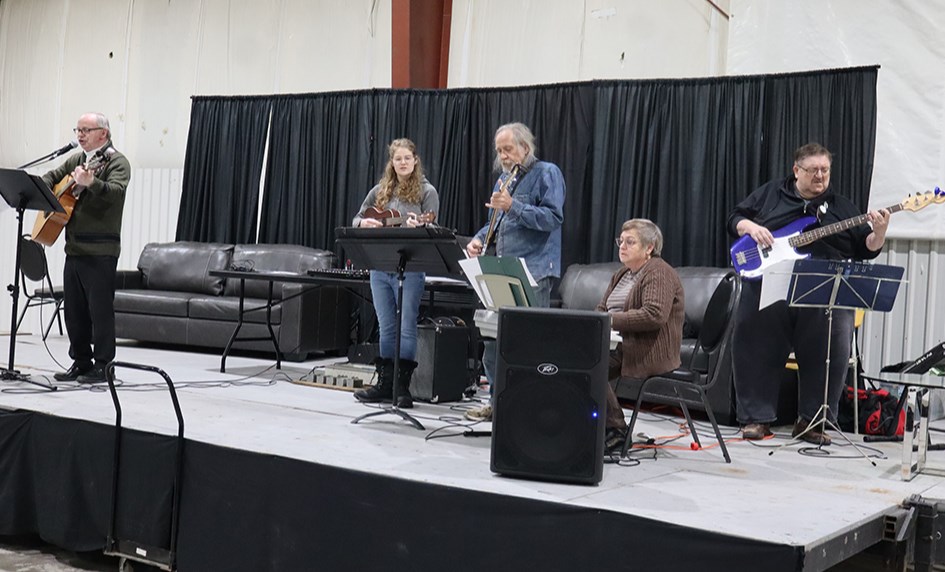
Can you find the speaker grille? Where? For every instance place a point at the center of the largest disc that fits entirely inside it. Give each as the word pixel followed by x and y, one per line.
pixel 553 423
pixel 568 341
pixel 550 395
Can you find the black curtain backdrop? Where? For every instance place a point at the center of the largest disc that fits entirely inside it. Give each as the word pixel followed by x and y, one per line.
pixel 222 169
pixel 680 152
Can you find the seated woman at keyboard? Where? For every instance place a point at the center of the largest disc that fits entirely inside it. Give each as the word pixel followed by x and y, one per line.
pixel 647 307
pixel 404 195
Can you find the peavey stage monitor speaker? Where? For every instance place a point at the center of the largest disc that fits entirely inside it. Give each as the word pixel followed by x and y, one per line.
pixel 550 401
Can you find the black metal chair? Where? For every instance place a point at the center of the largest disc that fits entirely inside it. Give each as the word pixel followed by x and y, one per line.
pixel 34 268
pixel 688 385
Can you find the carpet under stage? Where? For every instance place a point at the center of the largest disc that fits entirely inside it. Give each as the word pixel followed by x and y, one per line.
pixel 275 477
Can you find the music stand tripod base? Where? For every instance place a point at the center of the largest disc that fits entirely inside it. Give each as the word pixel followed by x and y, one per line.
pixel 392 409
pixel 15 375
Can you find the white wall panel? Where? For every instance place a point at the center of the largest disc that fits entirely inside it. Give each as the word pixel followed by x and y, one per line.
pixel 140 61
pixel 917 320
pixel 523 42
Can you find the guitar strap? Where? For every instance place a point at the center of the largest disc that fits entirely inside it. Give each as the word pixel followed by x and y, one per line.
pixel 103 155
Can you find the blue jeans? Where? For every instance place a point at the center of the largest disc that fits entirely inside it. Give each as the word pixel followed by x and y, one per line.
pixel 384 292
pixel 543 296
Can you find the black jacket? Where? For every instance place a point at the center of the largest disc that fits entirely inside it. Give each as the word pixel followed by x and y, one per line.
pixel 776 204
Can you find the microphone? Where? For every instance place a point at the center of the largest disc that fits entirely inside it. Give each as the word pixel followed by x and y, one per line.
pixel 65 148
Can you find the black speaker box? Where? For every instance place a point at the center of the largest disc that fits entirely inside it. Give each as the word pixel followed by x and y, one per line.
pixel 442 372
pixel 550 396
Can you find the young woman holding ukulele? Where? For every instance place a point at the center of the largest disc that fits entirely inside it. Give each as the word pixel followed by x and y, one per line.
pixel 403 195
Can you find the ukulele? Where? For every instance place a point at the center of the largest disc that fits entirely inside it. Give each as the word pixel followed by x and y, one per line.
pixel 392 217
pixel 49 224
pixel 751 260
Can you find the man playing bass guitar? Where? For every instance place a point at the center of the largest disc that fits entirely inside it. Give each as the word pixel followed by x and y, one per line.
pixel 763 339
pixel 93 242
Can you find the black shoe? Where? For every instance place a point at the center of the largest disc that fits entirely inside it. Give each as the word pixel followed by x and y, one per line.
pixel 404 399
pixel 814 435
pixel 375 394
pixel 95 375
pixel 73 372
pixel 613 440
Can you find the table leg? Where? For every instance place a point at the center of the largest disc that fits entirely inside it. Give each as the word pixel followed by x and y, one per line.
pixel 239 325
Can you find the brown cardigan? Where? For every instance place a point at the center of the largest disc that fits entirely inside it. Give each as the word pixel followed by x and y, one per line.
pixel 651 322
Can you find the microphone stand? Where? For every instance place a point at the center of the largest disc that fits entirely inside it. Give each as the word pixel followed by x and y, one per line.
pixel 45 158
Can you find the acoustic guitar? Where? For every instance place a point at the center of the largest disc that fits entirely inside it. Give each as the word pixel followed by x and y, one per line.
pixel 751 260
pixel 392 217
pixel 49 224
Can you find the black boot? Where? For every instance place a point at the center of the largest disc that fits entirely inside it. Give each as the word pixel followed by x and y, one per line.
pixel 383 388
pixel 404 399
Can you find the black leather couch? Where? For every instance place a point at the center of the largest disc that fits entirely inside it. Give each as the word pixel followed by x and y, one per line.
pixel 583 286
pixel 172 299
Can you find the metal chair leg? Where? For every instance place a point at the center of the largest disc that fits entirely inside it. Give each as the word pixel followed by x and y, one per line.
pixel 56 317
pixel 715 425
pixel 628 440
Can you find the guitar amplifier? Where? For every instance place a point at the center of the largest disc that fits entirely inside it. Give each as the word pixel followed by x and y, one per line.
pixel 442 372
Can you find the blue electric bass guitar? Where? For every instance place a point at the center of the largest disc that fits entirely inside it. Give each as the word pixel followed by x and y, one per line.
pixel 751 260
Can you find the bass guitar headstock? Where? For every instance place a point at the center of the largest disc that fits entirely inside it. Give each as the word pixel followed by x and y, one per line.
pixel 919 201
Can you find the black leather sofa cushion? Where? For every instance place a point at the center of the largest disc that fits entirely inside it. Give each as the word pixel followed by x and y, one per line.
pixel 227 309
pixel 273 258
pixel 184 266
pixel 161 303
pixel 584 285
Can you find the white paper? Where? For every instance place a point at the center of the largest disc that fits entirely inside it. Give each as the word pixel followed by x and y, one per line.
pixel 775 283
pixel 472 269
pixel 531 279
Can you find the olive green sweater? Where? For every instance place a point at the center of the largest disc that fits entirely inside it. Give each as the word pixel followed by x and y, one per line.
pixel 95 226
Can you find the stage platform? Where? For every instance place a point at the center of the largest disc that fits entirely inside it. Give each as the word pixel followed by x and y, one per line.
pixel 277 478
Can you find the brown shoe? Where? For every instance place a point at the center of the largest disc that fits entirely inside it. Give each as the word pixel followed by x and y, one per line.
pixel 756 431
pixel 815 436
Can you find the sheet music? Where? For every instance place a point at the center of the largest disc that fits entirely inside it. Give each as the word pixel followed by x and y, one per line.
pixel 472 268
pixel 775 284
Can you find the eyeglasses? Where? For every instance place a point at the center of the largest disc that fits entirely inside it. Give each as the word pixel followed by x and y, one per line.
pixel 815 170
pixel 86 130
pixel 619 241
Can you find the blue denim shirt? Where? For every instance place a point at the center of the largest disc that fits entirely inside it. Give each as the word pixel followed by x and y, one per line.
pixel 531 229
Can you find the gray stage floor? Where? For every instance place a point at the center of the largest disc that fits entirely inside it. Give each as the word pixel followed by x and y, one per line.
pixel 786 498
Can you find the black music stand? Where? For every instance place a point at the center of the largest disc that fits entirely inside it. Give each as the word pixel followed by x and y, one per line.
pixel 23 192
pixel 429 249
pixel 831 284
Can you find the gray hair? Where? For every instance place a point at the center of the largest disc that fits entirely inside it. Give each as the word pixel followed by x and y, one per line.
pixel 523 137
pixel 101 121
pixel 649 233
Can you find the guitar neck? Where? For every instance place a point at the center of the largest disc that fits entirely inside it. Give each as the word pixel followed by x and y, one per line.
pixel 811 236
pixel 394 220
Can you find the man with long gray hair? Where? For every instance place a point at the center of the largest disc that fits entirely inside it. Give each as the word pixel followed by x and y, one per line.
pixel 526 213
